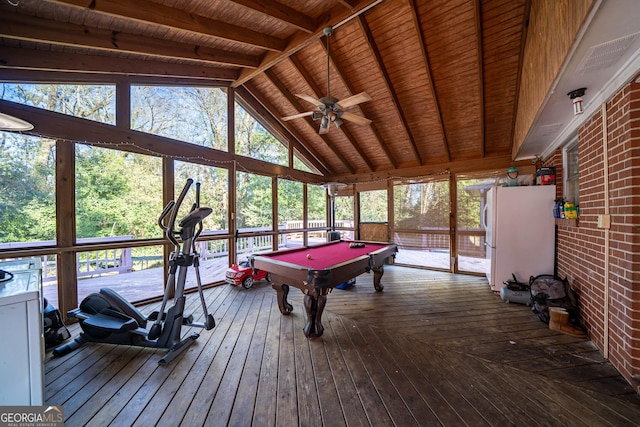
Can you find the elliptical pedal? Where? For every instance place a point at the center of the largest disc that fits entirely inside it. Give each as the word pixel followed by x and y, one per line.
pixel 187 318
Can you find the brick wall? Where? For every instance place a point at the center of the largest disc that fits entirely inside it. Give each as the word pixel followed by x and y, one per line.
pixel 581 254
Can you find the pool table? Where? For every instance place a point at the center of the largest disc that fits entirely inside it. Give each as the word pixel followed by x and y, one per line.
pixel 316 270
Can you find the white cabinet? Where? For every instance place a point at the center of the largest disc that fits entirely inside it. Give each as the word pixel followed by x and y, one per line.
pixel 21 335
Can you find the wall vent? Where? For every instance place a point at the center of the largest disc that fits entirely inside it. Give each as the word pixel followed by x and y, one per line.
pixel 549 130
pixel 606 54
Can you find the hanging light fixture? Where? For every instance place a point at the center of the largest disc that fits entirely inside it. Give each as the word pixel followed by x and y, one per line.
pixel 8 122
pixel 324 124
pixel 576 97
pixel 332 190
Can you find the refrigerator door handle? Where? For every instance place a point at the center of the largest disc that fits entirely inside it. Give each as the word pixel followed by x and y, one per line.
pixel 484 217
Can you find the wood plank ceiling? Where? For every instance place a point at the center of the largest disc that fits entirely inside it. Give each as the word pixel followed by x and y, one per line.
pixel 443 74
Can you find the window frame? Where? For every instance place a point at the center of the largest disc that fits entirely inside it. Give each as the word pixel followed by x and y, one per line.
pixel 571 178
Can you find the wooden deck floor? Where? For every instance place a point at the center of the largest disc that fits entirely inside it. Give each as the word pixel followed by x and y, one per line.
pixel 432 349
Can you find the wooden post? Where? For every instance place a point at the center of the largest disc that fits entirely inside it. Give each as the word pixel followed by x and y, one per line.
pixel 231 190
pixel 274 212
pixel 66 225
pixel 231 195
pixel 305 213
pixel 453 241
pixel 168 182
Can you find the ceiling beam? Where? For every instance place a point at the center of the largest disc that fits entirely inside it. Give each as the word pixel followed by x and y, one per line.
pixel 87 67
pixel 168 17
pixel 317 94
pixel 364 26
pixel 248 90
pixel 50 124
pixel 480 62
pixel 282 13
pixel 294 101
pixel 462 166
pixel 365 110
pixel 516 99
pixel 347 3
pixel 335 17
pixel 427 65
pixel 22 27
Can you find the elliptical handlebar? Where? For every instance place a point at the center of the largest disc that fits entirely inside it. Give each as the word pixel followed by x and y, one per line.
pixel 195 206
pixel 170 228
pixel 164 214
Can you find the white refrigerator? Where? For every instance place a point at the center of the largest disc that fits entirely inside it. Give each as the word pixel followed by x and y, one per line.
pixel 520 233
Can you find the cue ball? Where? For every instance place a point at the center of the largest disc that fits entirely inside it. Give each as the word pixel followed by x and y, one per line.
pixel 308 256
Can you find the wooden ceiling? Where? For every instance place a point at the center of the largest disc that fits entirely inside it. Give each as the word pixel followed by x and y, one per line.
pixel 443 74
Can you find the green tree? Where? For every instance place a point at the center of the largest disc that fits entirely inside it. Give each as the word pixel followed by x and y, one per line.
pixel 253 140
pixel 190 114
pixel 373 206
pixel 109 200
pixel 422 206
pixel 253 200
pixel 290 204
pixel 27 188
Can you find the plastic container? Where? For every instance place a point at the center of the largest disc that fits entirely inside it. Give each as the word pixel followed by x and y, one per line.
pixel 570 211
pixel 546 176
pixel 512 177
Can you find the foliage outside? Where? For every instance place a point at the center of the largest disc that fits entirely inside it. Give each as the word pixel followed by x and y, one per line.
pixel 423 206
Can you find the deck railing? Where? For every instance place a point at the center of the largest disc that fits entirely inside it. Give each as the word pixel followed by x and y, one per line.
pixel 95 263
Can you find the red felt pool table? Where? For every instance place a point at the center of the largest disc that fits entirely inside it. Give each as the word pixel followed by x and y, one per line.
pixel 315 270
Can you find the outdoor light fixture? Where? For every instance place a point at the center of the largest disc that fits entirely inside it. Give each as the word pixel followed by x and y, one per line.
pixel 332 190
pixel 576 97
pixel 8 122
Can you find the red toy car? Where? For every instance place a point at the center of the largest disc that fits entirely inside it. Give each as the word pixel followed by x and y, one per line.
pixel 243 274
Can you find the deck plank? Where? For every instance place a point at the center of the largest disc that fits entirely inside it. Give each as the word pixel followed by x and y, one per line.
pixel 330 406
pixel 431 349
pixel 264 411
pixel 212 366
pixel 367 392
pixel 246 393
pixel 220 409
pixel 168 401
pixel 308 404
pixel 363 340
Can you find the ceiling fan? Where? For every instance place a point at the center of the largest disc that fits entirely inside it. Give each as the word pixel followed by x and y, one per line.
pixel 331 109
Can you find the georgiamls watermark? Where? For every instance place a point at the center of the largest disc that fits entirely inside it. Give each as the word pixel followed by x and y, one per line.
pixel 31 416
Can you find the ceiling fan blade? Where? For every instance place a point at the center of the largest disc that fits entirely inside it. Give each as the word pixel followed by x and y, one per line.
pixel 354 100
pixel 310 99
pixel 297 116
pixel 362 121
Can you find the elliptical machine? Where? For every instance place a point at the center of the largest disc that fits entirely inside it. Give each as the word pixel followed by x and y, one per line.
pixel 106 317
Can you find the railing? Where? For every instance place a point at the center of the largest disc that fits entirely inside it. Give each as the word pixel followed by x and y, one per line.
pixel 469 244
pixel 94 263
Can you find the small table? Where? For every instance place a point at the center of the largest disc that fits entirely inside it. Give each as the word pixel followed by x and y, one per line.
pixel 316 270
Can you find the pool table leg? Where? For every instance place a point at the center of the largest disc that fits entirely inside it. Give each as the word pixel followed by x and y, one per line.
pixel 377 276
pixel 281 295
pixel 314 308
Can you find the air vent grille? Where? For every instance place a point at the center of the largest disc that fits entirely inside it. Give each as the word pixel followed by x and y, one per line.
pixel 606 54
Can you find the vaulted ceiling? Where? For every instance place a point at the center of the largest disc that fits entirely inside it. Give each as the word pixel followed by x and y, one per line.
pixel 443 75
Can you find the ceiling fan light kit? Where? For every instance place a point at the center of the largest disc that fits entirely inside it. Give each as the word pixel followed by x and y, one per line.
pixel 331 108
